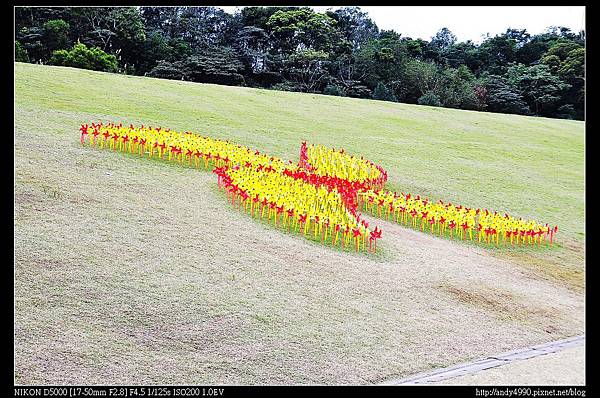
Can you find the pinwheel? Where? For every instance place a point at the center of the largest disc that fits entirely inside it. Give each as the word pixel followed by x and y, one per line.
pixel 321 196
pixel 480 226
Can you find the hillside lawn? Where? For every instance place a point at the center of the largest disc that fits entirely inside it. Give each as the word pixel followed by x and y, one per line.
pixel 130 271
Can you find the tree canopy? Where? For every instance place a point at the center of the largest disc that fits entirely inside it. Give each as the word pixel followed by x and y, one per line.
pixel 340 52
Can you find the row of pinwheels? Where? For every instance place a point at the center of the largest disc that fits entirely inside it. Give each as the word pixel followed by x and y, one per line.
pixel 449 220
pixel 174 146
pixel 320 197
pixel 262 185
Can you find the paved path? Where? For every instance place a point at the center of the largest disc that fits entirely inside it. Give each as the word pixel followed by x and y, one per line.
pixel 556 363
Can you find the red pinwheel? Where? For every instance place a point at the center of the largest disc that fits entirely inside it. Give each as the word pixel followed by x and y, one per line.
pixel 95 133
pixel 84 132
pixel 302 218
pixel 376 234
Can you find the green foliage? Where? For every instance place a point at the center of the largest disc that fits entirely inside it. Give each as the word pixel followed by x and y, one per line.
pixel 297 48
pixel 355 25
pixel 443 39
pixel 86 58
pixel 167 70
pixel 501 97
pixel 332 89
pixel 540 89
pixel 383 93
pixel 307 69
pixel 303 29
pixel 429 98
pixel 457 89
pixel 286 86
pixel 217 65
pixel 497 52
pixel 56 32
pixel 20 53
pixel 421 77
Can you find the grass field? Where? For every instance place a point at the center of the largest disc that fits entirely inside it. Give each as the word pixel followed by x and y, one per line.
pixel 134 271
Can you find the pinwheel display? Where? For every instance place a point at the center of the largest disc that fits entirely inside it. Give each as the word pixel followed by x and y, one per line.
pixel 455 221
pixel 320 197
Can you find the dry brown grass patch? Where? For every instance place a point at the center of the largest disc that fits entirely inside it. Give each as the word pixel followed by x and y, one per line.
pixel 504 304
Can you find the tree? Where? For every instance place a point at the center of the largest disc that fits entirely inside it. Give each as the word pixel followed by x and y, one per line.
pixel 381 60
pixel 167 70
pixel 355 25
pixel 56 34
pixel 430 99
pixel 303 29
pixel 383 93
pixel 116 30
pixel 443 39
pixel 20 53
pixel 501 97
pixel 86 58
pixel 259 16
pixel 465 53
pixel 253 45
pixel 218 65
pixel 458 89
pixel 158 48
pixel 299 49
pixel 307 69
pixel 420 78
pixel 540 89
pixel 335 90
pixel 497 52
pixel 520 36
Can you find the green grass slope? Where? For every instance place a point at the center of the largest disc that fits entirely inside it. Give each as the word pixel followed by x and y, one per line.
pixel 528 167
pixel 105 243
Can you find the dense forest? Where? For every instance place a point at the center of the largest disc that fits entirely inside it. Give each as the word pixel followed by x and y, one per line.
pixel 340 52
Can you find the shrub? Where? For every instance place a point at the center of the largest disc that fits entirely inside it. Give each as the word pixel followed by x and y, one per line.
pixel 85 58
pixel 359 91
pixel 286 86
pixel 332 89
pixel 56 34
pixel 383 93
pixel 167 70
pixel 264 79
pixel 567 112
pixel 430 99
pixel 20 53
